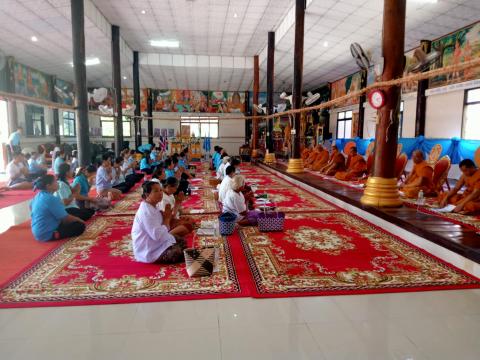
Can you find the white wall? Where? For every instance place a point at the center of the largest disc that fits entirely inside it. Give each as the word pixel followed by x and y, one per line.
pixel 409 115
pixel 444 115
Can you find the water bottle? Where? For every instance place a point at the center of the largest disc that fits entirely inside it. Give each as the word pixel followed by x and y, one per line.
pixel 421 198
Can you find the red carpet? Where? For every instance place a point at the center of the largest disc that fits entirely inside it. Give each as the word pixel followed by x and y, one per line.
pixel 12 197
pixel 333 254
pixel 200 202
pixel 98 268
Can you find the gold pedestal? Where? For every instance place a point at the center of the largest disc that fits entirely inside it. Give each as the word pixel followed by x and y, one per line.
pixel 295 166
pixel 269 158
pixel 381 192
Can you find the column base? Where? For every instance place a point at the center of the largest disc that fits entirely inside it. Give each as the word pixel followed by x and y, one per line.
pixel 381 192
pixel 269 158
pixel 295 166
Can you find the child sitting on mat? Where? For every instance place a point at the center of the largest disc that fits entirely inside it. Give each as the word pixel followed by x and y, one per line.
pixel 154 239
pixel 50 220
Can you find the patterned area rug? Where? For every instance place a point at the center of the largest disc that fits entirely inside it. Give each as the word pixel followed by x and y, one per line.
pixel 327 254
pixel 294 199
pixel 267 181
pixel 98 268
pixel 200 202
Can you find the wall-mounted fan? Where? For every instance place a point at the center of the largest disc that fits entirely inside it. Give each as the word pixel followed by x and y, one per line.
pixel 424 60
pixel 260 109
pixel 311 98
pixel 286 97
pixel 105 109
pixel 361 58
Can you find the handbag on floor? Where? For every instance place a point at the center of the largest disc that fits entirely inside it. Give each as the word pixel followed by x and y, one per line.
pixel 271 221
pixel 227 222
pixel 202 261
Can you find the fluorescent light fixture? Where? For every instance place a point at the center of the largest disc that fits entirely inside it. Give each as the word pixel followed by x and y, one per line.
pixel 143 12
pixel 235 15
pixel 325 43
pixel 165 43
pixel 34 38
pixel 90 62
pixel 425 1
pixel 124 78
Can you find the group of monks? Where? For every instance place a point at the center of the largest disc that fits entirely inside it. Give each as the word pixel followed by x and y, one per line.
pixel 334 163
pixel 421 178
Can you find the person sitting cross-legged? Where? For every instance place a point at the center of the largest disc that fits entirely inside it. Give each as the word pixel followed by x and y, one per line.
pixel 103 180
pixel 420 178
pixel 321 159
pixel 173 197
pixel 356 167
pixel 235 203
pixel 469 201
pixel 225 185
pixel 18 177
pixel 50 220
pixel 34 168
pixel 154 239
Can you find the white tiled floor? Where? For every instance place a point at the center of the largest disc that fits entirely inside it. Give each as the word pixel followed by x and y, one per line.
pixel 421 325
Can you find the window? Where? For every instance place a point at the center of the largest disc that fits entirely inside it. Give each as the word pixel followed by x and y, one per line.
pixel 201 126
pixel 67 127
pixel 35 120
pixel 108 126
pixel 400 120
pixel 471 115
pixel 344 125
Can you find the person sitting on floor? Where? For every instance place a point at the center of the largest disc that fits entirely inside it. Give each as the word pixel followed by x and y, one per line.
pixel 469 201
pixel 119 181
pixel 68 197
pixel 128 167
pixel 18 177
pixel 159 174
pixel 235 162
pixel 235 203
pixel 172 171
pixel 225 185
pixel 50 220
pixel 103 180
pixel 145 164
pixel 305 153
pixel 336 163
pixel 153 237
pixel 321 159
pixel 420 178
pixel 74 163
pixel 59 160
pixel 34 168
pixel 173 197
pixel 81 187
pixel 221 169
pixel 356 167
pixel 312 156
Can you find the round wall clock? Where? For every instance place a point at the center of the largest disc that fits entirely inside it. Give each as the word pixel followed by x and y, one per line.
pixel 376 98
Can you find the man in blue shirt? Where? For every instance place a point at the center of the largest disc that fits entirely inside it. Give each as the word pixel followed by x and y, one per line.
pixel 14 142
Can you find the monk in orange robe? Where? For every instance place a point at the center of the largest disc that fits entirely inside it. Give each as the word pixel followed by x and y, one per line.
pixel 469 201
pixel 321 159
pixel 305 154
pixel 312 157
pixel 356 167
pixel 420 178
pixel 336 163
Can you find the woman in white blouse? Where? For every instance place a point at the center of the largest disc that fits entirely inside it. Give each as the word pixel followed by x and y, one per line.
pixel 235 203
pixel 153 239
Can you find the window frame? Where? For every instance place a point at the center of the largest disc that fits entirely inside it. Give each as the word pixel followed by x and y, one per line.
pixel 344 119
pixel 206 120
pixel 465 105
pixel 111 119
pixel 68 118
pixel 400 118
pixel 30 110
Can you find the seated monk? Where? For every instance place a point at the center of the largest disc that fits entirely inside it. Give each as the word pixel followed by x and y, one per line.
pixel 312 157
pixel 469 201
pixel 356 167
pixel 305 154
pixel 321 160
pixel 420 178
pixel 336 163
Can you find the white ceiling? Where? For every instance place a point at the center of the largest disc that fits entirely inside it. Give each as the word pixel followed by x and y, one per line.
pixel 216 48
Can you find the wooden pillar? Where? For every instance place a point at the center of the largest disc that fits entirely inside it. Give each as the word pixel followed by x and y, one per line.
pixel 117 87
pixel 426 46
pixel 382 189
pixel 361 109
pixel 81 94
pixel 136 98
pixel 270 155
pixel 295 164
pixel 56 113
pixel 256 87
pixel 150 115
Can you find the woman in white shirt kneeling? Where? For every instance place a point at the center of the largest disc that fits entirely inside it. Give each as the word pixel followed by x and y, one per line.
pixel 153 239
pixel 234 202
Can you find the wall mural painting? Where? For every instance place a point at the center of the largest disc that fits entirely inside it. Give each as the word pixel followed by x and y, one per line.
pixel 108 101
pixel 411 86
pixel 65 92
pixel 128 98
pixel 180 100
pixel 460 46
pixel 226 102
pixel 346 86
pixel 31 82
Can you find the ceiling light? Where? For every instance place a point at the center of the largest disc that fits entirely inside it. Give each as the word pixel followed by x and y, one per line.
pixel 425 1
pixel 34 38
pixel 235 15
pixel 165 43
pixel 325 43
pixel 90 62
pixel 143 12
pixel 124 78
